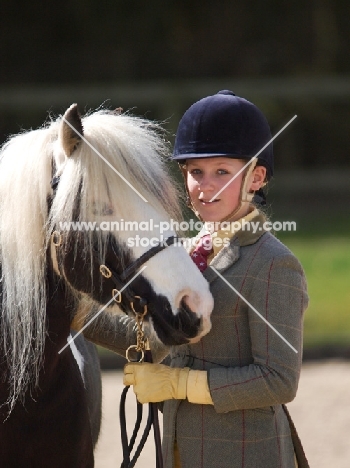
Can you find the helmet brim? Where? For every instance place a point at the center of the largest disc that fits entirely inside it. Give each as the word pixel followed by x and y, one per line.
pixel 184 157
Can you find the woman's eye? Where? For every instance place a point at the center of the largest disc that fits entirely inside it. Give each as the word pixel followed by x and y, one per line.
pixel 222 171
pixel 195 171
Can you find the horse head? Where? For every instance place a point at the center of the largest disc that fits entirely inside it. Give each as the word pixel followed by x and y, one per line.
pixel 113 208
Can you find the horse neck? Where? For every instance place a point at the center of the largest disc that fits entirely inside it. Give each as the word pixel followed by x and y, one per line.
pixel 59 312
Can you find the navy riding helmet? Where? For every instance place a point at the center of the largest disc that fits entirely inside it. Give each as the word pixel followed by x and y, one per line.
pixel 224 125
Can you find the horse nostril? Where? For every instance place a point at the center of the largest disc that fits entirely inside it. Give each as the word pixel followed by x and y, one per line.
pixel 191 301
pixel 192 305
pixel 188 321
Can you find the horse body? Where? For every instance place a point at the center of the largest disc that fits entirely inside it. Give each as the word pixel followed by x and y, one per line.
pixel 57 423
pixel 49 414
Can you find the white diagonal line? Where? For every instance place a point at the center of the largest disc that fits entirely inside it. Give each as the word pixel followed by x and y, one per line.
pixel 254 310
pixel 253 158
pixel 70 340
pixel 105 160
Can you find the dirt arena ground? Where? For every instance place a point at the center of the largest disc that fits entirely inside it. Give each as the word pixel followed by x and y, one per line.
pixel 321 413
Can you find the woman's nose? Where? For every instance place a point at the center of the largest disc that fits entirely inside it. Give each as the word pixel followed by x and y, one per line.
pixel 206 183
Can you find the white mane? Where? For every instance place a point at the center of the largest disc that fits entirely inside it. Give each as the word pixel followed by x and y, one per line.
pixel 134 147
pixel 24 185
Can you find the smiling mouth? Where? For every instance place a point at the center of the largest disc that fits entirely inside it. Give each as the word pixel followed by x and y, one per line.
pixel 208 202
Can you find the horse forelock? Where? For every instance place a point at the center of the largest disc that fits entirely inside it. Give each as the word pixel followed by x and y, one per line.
pixel 137 150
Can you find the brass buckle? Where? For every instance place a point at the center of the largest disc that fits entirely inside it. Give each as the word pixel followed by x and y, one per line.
pixel 135 347
pixel 105 271
pixel 56 238
pixel 138 313
pixel 118 299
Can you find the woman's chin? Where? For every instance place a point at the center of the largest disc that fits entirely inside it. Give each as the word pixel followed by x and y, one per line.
pixel 211 217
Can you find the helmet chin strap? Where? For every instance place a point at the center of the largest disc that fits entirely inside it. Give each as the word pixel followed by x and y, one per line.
pixel 244 195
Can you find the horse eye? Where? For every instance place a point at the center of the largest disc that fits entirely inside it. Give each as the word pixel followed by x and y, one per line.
pixel 103 209
pixel 107 210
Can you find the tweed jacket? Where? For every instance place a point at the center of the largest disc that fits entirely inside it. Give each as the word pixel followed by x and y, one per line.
pixel 251 370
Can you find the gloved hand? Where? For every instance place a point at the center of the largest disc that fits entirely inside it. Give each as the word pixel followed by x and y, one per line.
pixel 156 382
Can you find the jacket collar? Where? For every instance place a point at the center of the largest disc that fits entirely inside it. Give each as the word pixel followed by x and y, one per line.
pixel 229 254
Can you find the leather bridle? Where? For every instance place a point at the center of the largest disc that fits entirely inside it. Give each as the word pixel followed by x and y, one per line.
pixel 137 303
pixel 127 297
pixel 122 294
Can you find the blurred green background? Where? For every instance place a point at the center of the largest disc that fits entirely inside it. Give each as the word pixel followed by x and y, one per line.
pixel 158 57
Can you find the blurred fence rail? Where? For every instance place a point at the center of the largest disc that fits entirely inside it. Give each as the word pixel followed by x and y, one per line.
pixel 162 92
pixel 311 156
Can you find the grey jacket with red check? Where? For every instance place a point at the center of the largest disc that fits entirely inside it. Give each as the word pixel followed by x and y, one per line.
pixel 252 371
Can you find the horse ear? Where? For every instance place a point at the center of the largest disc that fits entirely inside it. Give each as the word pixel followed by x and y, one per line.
pixel 71 130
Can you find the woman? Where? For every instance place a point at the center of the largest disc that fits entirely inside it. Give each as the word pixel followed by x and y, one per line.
pixel 224 396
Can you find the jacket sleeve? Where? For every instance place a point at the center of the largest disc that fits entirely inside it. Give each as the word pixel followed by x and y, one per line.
pixel 117 332
pixel 279 294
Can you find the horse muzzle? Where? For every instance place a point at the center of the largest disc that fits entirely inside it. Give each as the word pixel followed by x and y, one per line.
pixel 184 327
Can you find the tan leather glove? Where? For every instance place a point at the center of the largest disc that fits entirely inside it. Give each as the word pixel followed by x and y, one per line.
pixel 198 388
pixel 157 382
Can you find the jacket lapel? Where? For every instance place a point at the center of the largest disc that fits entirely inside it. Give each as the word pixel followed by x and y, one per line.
pixel 230 254
pixel 223 260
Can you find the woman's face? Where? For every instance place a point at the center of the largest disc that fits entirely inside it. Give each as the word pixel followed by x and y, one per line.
pixel 206 177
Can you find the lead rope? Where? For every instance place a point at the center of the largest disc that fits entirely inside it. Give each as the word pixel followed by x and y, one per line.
pixel 142 346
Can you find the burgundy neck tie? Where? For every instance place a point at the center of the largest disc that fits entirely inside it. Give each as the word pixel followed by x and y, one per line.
pixel 203 249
